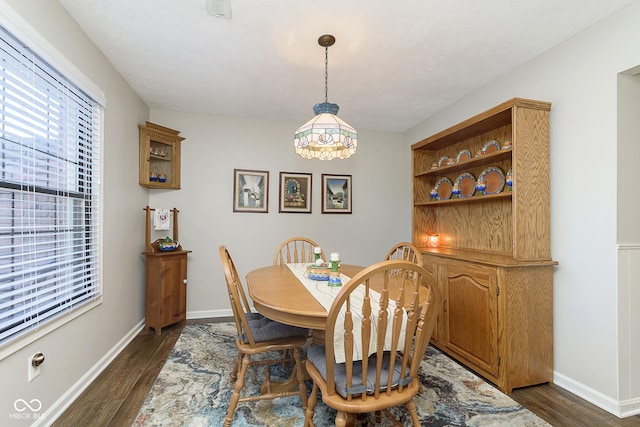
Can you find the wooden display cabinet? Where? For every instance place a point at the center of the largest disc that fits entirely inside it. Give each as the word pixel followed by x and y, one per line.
pixel 159 157
pixel 165 281
pixel 493 265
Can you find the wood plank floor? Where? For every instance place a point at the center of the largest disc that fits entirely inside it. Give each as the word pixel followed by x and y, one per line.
pixel 115 397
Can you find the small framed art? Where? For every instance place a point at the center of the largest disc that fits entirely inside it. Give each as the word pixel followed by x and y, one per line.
pixel 295 192
pixel 336 194
pixel 250 191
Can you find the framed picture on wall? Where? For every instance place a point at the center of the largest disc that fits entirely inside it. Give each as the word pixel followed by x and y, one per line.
pixel 336 194
pixel 250 191
pixel 295 192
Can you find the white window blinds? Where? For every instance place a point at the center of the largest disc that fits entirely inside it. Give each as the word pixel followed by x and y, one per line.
pixel 49 192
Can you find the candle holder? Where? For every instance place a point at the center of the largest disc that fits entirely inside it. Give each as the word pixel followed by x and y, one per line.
pixel 334 276
pixel 433 240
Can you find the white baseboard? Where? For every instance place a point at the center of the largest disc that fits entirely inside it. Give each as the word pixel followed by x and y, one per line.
pixel 620 409
pixel 629 408
pixel 60 405
pixel 205 314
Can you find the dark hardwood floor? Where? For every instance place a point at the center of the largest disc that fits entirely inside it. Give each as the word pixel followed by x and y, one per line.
pixel 115 397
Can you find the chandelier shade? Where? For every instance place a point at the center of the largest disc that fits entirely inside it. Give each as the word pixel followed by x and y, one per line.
pixel 326 136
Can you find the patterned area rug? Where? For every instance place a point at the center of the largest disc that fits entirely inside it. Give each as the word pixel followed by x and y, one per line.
pixel 193 389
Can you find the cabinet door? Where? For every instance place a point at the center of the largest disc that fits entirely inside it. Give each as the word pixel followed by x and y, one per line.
pixel 471 314
pixel 173 278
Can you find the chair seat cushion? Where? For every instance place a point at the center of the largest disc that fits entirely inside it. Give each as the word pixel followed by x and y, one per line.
pixel 316 355
pixel 264 329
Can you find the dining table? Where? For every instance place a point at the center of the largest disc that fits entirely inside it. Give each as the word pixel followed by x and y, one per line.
pixel 278 294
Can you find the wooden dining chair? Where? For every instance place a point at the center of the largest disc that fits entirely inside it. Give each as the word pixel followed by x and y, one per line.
pixel 296 249
pixel 405 251
pixel 257 334
pixel 399 341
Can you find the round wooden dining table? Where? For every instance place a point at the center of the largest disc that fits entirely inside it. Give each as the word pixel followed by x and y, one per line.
pixel 278 294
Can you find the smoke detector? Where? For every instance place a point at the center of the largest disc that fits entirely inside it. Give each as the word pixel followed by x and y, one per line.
pixel 219 8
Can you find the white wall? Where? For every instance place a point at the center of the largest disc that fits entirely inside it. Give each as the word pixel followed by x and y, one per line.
pixel 628 230
pixel 73 351
pixel 214 146
pixel 579 77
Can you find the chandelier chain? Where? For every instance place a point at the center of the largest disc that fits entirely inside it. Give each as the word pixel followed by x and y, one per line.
pixel 326 74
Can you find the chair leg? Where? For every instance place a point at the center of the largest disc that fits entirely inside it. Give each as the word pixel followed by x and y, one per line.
pixel 235 396
pixel 378 417
pixel 236 366
pixel 300 375
pixel 411 407
pixel 313 399
pixel 341 419
pixel 351 419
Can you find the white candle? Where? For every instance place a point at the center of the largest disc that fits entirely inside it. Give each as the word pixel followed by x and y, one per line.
pixel 335 256
pixel 317 250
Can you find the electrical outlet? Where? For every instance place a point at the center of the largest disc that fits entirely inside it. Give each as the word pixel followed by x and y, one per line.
pixel 33 371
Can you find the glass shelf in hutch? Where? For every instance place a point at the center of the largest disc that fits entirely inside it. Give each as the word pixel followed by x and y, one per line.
pixel 159 157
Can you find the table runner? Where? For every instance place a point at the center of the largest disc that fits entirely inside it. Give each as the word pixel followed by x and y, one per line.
pixel 326 294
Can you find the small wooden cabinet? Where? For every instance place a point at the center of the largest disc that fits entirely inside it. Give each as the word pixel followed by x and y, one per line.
pixel 493 265
pixel 159 157
pixel 165 279
pixel 166 289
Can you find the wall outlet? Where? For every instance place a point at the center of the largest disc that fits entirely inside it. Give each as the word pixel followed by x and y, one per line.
pixel 33 371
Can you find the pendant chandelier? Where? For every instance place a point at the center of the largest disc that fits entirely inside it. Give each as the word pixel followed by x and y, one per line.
pixel 326 136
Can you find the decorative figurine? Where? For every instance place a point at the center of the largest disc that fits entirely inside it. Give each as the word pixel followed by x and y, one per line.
pixel 434 193
pixel 481 186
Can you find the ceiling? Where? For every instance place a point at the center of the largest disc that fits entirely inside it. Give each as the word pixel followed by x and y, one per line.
pixel 394 63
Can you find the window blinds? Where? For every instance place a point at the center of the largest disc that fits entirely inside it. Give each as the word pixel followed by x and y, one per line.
pixel 49 192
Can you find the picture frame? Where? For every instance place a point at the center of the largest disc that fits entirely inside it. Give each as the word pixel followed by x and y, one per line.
pixel 250 191
pixel 295 192
pixel 336 194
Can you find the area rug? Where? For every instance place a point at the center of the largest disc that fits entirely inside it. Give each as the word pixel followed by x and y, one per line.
pixel 193 389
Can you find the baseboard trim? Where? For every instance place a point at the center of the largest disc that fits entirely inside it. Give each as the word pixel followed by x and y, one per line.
pixel 620 409
pixel 60 405
pixel 630 408
pixel 205 314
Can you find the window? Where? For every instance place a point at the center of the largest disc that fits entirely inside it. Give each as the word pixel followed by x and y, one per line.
pixel 49 192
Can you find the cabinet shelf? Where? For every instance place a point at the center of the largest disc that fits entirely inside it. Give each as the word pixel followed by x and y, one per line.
pixel 159 157
pixel 485 159
pixel 494 268
pixel 480 198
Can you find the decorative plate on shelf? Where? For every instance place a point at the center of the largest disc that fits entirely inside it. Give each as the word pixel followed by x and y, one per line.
pixel 443 161
pixel 463 156
pixel 443 187
pixel 466 182
pixel 491 147
pixel 494 177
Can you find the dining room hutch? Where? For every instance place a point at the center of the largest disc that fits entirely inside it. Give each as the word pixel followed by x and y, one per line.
pixel 493 261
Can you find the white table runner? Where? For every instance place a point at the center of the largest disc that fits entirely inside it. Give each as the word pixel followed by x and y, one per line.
pixel 326 294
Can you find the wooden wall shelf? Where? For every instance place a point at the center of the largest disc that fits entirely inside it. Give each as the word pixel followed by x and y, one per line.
pixel 159 157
